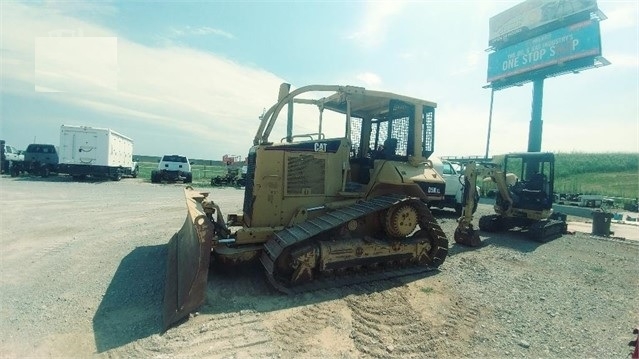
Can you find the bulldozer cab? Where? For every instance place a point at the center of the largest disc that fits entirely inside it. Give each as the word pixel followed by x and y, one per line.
pixel 535 184
pixel 335 147
pixel 390 135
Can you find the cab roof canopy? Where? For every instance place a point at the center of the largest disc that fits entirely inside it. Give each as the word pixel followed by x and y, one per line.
pixel 368 104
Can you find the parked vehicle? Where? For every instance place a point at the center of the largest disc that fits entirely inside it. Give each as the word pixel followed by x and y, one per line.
pixel 454 177
pixel 580 200
pixel 96 152
pixel 234 176
pixel 173 168
pixel 40 159
pixel 11 159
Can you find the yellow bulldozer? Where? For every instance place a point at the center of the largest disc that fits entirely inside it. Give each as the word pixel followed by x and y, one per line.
pixel 525 184
pixel 321 211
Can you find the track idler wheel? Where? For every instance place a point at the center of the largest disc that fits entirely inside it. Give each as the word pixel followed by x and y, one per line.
pixel 400 221
pixel 467 236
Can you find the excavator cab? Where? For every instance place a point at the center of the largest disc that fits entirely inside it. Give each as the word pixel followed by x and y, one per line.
pixel 524 203
pixel 343 194
pixel 532 194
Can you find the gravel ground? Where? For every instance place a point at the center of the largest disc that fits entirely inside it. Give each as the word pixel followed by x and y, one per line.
pixel 83 271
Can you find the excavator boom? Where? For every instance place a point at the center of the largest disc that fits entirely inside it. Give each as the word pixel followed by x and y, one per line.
pixel 465 233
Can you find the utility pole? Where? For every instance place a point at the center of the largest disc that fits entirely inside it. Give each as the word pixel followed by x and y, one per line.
pixel 490 120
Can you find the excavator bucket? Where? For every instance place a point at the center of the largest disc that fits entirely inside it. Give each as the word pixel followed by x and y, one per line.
pixel 467 236
pixel 189 254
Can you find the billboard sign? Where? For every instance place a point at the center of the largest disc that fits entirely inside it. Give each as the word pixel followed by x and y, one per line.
pixel 570 43
pixel 533 17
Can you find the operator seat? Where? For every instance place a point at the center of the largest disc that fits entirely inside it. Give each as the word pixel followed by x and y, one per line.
pixel 537 182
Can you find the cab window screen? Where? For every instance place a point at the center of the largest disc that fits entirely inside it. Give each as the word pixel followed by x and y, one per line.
pixel 400 115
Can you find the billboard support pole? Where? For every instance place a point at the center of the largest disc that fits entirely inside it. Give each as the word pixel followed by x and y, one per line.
pixel 490 121
pixel 536 124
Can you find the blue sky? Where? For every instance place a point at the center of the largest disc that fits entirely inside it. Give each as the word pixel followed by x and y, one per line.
pixel 193 77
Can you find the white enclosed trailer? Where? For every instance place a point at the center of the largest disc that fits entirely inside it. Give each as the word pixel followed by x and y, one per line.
pixel 96 152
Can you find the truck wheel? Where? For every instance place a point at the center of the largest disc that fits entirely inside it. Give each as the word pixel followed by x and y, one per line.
pixel 15 171
pixel 189 178
pixel 155 178
pixel 45 172
pixel 134 174
pixel 117 176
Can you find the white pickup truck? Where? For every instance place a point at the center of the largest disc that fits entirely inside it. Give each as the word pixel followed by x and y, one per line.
pixel 12 154
pixel 12 158
pixel 453 175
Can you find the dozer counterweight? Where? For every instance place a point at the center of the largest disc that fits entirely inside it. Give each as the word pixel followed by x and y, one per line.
pixel 321 211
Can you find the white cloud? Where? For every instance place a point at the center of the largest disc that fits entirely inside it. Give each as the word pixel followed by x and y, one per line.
pixel 602 137
pixel 173 90
pixel 470 63
pixel 623 60
pixel 75 8
pixel 375 22
pixel 79 64
pixel 621 15
pixel 199 31
pixel 369 79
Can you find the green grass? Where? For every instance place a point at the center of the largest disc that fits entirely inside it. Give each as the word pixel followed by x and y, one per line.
pixel 608 174
pixel 427 290
pixel 611 184
pixel 202 174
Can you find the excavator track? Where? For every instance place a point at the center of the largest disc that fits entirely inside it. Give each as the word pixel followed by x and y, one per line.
pixel 541 231
pixel 305 238
pixel 546 230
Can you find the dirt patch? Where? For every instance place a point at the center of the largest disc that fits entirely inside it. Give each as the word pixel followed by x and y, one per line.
pixel 83 267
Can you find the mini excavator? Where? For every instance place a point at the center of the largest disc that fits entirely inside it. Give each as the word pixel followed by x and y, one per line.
pixel 525 204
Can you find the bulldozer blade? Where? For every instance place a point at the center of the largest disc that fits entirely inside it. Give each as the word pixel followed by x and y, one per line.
pixel 468 237
pixel 189 255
